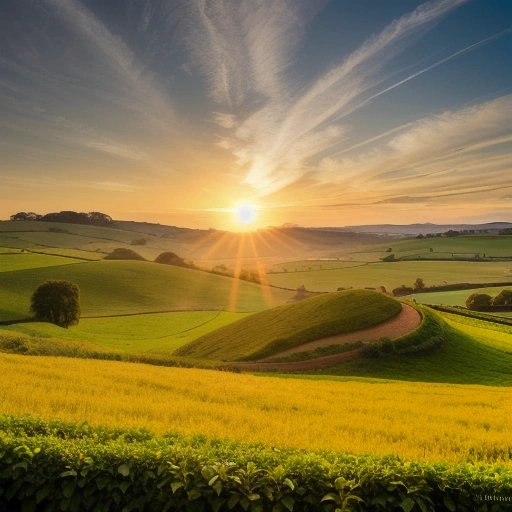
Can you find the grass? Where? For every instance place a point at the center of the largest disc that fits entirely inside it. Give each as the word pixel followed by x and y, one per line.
pixel 454 297
pixel 26 260
pixel 437 422
pixel 460 246
pixel 271 331
pixel 153 333
pixel 392 275
pixel 468 357
pixel 309 265
pixel 490 334
pixel 124 287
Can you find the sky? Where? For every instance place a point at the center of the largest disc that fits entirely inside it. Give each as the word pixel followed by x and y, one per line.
pixel 318 113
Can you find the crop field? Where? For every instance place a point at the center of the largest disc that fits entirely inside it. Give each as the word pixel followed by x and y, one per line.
pixel 124 287
pixel 160 332
pixel 310 265
pixel 416 421
pixel 394 274
pixel 498 246
pixel 26 260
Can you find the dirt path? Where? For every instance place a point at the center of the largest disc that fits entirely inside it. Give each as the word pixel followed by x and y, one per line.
pixel 405 322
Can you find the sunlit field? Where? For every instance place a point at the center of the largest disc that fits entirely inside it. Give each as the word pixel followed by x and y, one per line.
pixel 415 421
pixel 159 332
pixel 394 274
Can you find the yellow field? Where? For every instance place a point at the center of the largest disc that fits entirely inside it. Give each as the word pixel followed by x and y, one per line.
pixel 413 420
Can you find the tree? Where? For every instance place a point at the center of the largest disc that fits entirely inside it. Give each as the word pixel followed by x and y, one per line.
pixel 478 301
pixel 171 258
pixel 26 216
pixel 504 298
pixel 57 302
pixel 419 284
pixel 121 253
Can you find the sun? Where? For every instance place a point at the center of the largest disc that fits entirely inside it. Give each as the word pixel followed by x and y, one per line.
pixel 245 213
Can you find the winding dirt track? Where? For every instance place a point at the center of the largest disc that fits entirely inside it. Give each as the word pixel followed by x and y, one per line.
pixel 405 322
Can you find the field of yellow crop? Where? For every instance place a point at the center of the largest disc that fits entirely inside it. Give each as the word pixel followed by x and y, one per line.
pixel 413 420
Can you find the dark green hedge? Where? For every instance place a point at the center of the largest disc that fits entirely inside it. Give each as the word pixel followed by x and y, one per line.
pixel 60 467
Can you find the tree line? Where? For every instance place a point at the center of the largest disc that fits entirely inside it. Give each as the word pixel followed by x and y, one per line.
pixel 67 216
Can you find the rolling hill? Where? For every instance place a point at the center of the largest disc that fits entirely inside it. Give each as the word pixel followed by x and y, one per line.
pixel 127 287
pixel 271 331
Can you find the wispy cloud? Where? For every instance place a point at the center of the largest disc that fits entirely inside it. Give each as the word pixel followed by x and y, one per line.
pixel 115 52
pixel 247 47
pixel 444 153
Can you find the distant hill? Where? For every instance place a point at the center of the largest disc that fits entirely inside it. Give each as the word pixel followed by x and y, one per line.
pixel 416 229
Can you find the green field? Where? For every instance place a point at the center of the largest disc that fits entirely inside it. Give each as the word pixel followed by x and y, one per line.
pixel 26 260
pixel 394 274
pixel 471 355
pixel 122 287
pixel 153 333
pixel 271 331
pixel 467 246
pixel 457 297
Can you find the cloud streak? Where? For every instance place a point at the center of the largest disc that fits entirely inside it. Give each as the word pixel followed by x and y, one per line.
pixel 247 50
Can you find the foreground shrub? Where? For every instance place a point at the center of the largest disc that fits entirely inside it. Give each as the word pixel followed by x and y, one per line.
pixel 56 466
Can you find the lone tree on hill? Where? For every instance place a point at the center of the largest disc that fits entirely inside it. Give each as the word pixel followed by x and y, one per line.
pixel 57 302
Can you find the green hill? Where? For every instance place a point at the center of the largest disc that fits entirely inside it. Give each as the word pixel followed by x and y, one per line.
pixel 125 287
pixel 283 327
pixel 475 352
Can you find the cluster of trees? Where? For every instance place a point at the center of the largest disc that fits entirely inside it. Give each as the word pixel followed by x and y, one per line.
pixel 453 232
pixel 484 302
pixel 68 216
pixel 418 285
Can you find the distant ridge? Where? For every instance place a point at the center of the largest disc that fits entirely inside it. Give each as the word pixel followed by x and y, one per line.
pixel 416 229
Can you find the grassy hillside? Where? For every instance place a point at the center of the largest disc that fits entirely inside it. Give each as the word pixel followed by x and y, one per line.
pixel 21 261
pixel 394 274
pixel 274 330
pixel 413 420
pixel 122 287
pixel 153 333
pixel 472 355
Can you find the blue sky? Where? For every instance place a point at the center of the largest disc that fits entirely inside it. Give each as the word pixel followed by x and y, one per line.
pixel 322 113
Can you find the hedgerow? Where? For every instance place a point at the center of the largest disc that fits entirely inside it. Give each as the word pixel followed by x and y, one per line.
pixel 430 335
pixel 52 466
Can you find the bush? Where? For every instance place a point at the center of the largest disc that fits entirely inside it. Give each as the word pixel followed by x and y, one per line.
pixel 504 298
pixel 57 302
pixel 478 301
pixel 122 253
pixel 50 466
pixel 171 258
pixel 402 290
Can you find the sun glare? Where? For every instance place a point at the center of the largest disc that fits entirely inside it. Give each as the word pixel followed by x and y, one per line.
pixel 245 213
